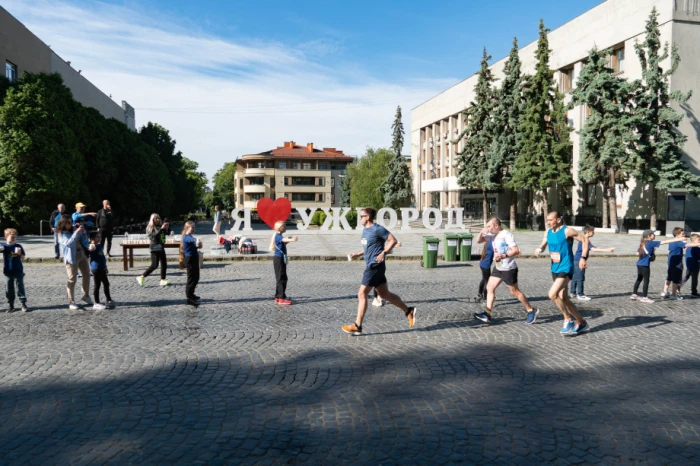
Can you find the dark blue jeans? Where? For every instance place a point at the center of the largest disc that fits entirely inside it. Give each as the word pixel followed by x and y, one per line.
pixel 10 290
pixel 56 245
pixel 577 281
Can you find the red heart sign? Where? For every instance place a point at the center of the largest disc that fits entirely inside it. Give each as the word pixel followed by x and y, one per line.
pixel 271 212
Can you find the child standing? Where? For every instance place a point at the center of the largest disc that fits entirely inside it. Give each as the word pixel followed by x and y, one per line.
pixel 157 232
pixel 580 274
pixel 674 275
pixel 189 247
pixel 98 266
pixel 279 246
pixel 692 264
pixel 485 263
pixel 12 268
pixel 647 246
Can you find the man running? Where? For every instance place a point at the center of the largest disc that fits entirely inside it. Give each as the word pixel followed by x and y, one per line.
pixel 376 244
pixel 505 270
pixel 560 239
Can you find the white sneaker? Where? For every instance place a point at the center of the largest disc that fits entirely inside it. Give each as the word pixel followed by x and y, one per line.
pixel 665 295
pixel 377 302
pixel 86 299
pixel 164 283
pixel 634 296
pixel 583 298
pixel 99 307
pixel 140 280
pixel 646 300
pixel 73 307
pixel 572 295
pixel 675 297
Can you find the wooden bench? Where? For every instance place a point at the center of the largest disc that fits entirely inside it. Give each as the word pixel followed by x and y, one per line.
pixel 128 251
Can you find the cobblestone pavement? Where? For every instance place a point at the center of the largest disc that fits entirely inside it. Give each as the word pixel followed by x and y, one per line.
pixel 242 381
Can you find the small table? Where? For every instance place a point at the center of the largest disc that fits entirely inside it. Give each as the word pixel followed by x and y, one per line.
pixel 130 248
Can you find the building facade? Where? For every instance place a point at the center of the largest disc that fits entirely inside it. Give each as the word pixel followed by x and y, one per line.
pixel 614 24
pixel 21 51
pixel 308 177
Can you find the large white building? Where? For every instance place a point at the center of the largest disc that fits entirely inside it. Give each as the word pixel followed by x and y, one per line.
pixel 615 24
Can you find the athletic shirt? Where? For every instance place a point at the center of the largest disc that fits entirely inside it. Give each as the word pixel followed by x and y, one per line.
pixel 503 242
pixel 488 256
pixel 560 251
pixel 644 258
pixel 373 239
pixel 675 255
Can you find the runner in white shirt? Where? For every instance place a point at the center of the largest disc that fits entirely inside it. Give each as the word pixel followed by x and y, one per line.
pixel 505 269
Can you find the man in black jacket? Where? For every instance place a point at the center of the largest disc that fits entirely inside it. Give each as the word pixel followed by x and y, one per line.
pixel 53 223
pixel 105 225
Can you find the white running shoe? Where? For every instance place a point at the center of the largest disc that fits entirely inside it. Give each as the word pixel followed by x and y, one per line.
pixel 73 307
pixel 164 283
pixel 675 297
pixel 634 297
pixel 377 302
pixel 99 307
pixel 665 295
pixel 582 297
pixel 646 300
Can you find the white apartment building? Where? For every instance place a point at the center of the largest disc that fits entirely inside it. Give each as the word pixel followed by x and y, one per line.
pixel 615 24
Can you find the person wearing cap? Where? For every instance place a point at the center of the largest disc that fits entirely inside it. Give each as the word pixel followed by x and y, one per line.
pixel 80 217
pixel 647 246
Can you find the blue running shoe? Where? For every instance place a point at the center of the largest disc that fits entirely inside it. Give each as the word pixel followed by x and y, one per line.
pixel 484 317
pixel 567 328
pixel 579 329
pixel 532 316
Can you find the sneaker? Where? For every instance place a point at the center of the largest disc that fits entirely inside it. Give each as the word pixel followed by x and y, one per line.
pixel 111 304
pixel 578 329
pixel 484 317
pixel 285 302
pixel 572 295
pixel 197 298
pixel 192 302
pixel 532 316
pixel 86 299
pixel 582 297
pixel 140 280
pixel 695 295
pixel 10 309
pixel 634 297
pixel 411 316
pixel 675 297
pixel 73 307
pixel 164 283
pixel 377 302
pixel 24 307
pixel 665 295
pixel 99 307
pixel 352 329
pixel 567 328
pixel 646 300
pixel 277 300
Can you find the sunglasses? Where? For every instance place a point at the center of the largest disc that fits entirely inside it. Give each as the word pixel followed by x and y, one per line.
pixel 364 216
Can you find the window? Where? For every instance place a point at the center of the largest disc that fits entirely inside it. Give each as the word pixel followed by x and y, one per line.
pixel 322 166
pixel 255 196
pixel 296 165
pixel 566 79
pixel 240 199
pixel 332 182
pixel 332 198
pixel 569 120
pixel 618 60
pixel 310 197
pixel 303 181
pixel 272 196
pixel 11 71
pixel 306 166
pixel 590 194
pixel 257 181
pixel 272 182
pixel 241 187
pixel 283 165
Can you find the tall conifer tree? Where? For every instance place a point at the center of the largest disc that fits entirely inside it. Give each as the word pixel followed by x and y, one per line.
pixel 397 188
pixel 545 148
pixel 473 168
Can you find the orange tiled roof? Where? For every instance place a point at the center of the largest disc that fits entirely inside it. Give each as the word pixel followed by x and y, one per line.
pixel 292 150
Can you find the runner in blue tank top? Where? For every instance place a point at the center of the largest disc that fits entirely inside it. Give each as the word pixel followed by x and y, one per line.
pixel 560 239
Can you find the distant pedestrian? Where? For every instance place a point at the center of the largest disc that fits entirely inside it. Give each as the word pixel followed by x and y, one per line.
pixel 579 273
pixel 75 257
pixel 377 241
pixel 53 222
pixel 12 268
pixel 157 233
pixel 98 265
pixel 674 274
pixel 485 263
pixel 217 221
pixel 278 245
pixel 189 246
pixel 692 264
pixel 105 225
pixel 505 250
pixel 647 255
pixel 80 217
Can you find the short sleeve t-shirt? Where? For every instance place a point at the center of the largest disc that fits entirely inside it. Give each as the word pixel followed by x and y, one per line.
pixel 98 261
pixel 579 251
pixel 486 262
pixel 373 239
pixel 280 246
pixel 650 246
pixel 12 260
pixel 692 258
pixel 502 243
pixel 675 255
pixel 189 246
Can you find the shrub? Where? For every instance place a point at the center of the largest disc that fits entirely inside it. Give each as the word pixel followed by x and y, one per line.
pixel 352 218
pixel 316 218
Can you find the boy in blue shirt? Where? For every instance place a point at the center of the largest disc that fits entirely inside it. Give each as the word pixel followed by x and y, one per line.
pixel 98 266
pixel 674 274
pixel 646 253
pixel 12 268
pixel 692 264
pixel 579 273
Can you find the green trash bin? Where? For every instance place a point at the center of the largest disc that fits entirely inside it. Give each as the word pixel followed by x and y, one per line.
pixel 451 247
pixel 430 251
pixel 465 247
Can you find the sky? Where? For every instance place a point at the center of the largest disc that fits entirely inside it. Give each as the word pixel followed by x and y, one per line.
pixel 229 78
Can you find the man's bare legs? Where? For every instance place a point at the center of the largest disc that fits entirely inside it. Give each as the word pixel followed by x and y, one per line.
pixel 491 292
pixel 515 291
pixel 384 293
pixel 394 299
pixel 362 304
pixel 558 294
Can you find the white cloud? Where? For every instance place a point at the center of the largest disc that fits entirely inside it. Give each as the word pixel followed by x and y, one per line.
pixel 221 99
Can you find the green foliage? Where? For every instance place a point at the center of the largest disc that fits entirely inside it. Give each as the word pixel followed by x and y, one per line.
pixel 318 218
pixel 224 186
pixel 345 188
pixel 397 188
pixel 545 148
pixel 661 144
pixel 472 161
pixel 351 217
pixel 366 176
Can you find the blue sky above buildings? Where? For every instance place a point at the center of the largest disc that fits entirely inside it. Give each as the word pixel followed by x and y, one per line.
pixel 229 78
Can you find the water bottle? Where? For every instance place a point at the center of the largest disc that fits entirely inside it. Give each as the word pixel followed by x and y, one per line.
pixel 126 237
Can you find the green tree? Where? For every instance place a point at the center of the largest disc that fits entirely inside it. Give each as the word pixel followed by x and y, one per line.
pixel 608 136
pixel 661 144
pixel 473 168
pixel 366 175
pixel 506 123
pixel 397 187
pixel 545 149
pixel 40 159
pixel 224 186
